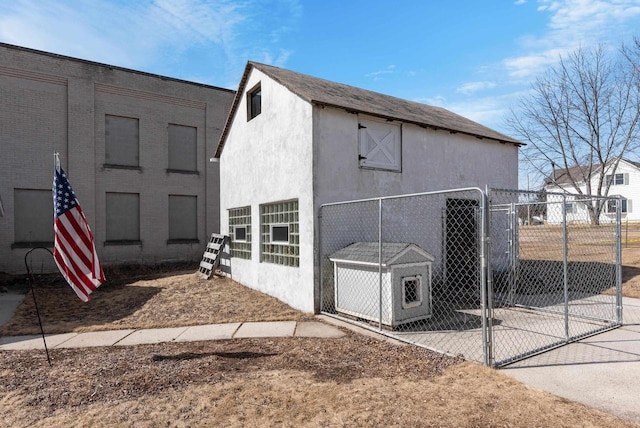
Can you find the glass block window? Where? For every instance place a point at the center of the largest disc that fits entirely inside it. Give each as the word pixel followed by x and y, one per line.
pixel 240 232
pixel 280 233
pixel 411 291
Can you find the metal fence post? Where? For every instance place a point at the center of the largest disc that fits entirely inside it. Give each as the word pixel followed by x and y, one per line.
pixel 485 286
pixel 380 264
pixel 619 260
pixel 320 267
pixel 565 265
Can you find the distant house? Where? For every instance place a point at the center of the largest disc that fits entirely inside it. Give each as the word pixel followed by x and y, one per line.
pixel 624 182
pixel 134 145
pixel 293 142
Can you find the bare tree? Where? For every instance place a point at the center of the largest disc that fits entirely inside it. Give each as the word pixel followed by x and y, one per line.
pixel 581 118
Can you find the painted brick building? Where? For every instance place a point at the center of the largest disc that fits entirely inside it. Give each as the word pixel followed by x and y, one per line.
pixel 135 147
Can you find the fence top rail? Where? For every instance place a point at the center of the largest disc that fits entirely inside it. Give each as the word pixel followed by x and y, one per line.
pixel 578 196
pixel 408 195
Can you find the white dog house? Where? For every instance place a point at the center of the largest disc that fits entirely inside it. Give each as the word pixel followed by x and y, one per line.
pixel 406 282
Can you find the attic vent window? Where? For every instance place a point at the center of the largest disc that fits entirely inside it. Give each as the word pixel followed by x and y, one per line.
pixel 254 102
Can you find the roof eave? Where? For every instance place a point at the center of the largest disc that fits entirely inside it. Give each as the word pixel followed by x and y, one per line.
pixel 413 122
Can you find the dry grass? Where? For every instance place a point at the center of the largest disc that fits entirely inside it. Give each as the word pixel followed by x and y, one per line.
pixel 147 301
pixel 351 381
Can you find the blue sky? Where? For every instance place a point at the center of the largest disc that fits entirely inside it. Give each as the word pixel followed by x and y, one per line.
pixel 472 57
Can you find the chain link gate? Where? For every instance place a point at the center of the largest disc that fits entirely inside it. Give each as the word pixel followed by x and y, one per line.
pixel 453 272
pixel 556 276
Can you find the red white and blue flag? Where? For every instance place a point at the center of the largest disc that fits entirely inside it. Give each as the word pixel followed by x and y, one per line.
pixel 73 250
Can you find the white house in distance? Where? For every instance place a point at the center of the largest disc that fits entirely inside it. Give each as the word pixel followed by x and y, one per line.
pixel 293 142
pixel 624 182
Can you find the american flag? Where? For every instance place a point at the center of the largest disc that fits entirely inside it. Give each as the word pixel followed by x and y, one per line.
pixel 73 250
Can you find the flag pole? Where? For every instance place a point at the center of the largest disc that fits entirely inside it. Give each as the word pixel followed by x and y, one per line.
pixel 35 303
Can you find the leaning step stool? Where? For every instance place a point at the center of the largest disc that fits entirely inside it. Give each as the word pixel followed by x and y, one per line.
pixel 211 257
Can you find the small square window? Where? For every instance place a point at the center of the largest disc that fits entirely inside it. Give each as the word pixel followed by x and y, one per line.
pixel 411 291
pixel 240 234
pixel 570 208
pixel 254 102
pixel 280 233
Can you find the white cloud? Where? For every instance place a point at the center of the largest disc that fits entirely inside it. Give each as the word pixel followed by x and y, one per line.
pixel 377 75
pixel 472 87
pixel 519 2
pixel 572 23
pixel 216 37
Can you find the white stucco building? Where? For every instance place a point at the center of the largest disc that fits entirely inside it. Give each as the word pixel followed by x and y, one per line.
pixel 293 142
pixel 623 182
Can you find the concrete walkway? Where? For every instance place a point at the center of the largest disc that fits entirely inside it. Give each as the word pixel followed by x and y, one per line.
pixel 601 371
pixel 177 334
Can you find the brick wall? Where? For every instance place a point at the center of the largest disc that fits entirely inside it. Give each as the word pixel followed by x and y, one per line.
pixel 50 103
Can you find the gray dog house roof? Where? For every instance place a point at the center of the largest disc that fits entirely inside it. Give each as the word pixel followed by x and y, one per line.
pixel 366 253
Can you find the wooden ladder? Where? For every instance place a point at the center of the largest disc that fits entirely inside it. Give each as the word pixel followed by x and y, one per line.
pixel 211 257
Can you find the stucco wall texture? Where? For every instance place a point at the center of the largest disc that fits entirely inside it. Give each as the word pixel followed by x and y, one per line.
pixel 296 150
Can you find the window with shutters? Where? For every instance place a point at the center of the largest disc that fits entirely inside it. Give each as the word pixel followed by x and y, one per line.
pixel 617 179
pixel 380 145
pixel 183 149
pixel 122 142
pixel 123 218
pixel 183 219
pixel 33 218
pixel 625 205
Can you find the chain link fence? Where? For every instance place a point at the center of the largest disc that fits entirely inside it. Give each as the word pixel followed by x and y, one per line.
pixel 493 277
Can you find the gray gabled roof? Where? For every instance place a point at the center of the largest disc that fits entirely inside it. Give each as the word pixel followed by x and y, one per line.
pixel 324 92
pixel 579 173
pixel 368 253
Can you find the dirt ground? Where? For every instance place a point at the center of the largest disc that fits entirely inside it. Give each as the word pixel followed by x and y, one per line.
pixel 351 381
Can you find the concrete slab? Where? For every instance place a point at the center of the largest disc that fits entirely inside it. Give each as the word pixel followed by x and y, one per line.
pixel 360 330
pixel 317 329
pixel 209 332
pixel 266 329
pixel 96 338
pixel 601 371
pixel 152 335
pixel 19 343
pixel 630 310
pixel 9 302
